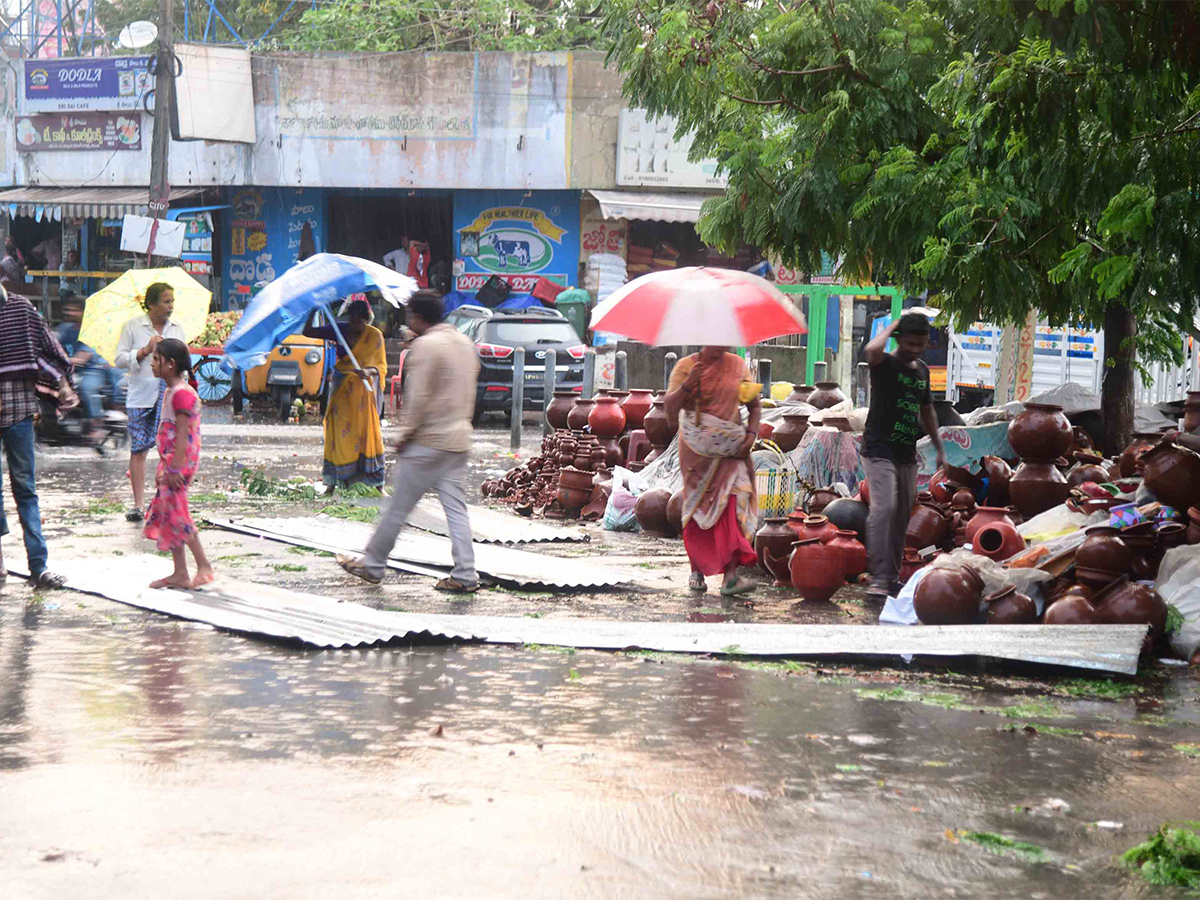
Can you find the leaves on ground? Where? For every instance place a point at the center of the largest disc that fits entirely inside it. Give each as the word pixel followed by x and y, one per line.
pixel 1003 846
pixel 1170 857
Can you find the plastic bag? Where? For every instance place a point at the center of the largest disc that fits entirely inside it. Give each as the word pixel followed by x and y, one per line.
pixel 1179 584
pixel 618 513
pixel 1054 522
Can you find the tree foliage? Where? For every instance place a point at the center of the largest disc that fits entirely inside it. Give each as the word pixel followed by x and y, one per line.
pixel 1007 154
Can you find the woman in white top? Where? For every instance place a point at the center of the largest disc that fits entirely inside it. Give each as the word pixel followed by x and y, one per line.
pixel 135 354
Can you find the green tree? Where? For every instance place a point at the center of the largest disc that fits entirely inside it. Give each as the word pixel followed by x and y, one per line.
pixel 1005 155
pixel 248 18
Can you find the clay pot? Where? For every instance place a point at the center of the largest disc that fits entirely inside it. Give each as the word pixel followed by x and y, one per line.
pixel 941 488
pixel 611 448
pixel 949 596
pixel 1130 461
pixel 800 393
pixel 583 460
pixel 651 511
pixel 636 405
pixel 998 474
pixel 963 499
pixel 576 479
pixel 818 527
pixel 776 535
pixel 854 554
pixel 657 426
pixel 848 514
pixel 1072 609
pixel 1036 487
pixel 1193 528
pixel 827 394
pixel 675 513
pixel 1125 602
pixel 926 526
pixel 1074 590
pixel 1102 557
pixel 817 569
pixel 1041 433
pixel 912 563
pixel 577 418
pixel 1080 439
pixel 819 499
pixel 1171 535
pixel 998 541
pixel 1172 472
pixel 1010 607
pixel 607 419
pixel 788 434
pixel 572 499
pixel 1087 472
pixel 864 492
pixel 559 409
pixel 765 431
pixel 598 502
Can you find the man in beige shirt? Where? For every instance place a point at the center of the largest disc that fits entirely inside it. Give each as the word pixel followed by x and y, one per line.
pixel 440 371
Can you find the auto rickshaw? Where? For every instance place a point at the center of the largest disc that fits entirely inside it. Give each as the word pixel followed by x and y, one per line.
pixel 299 367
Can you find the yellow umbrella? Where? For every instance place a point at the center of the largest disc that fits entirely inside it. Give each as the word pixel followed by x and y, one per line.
pixel 109 309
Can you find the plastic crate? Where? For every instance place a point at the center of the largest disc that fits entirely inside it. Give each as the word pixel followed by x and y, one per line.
pixel 776 491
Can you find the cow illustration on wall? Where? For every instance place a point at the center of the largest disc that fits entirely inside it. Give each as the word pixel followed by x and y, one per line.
pixel 519 250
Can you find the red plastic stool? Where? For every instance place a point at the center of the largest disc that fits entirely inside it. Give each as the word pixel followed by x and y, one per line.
pixel 639 447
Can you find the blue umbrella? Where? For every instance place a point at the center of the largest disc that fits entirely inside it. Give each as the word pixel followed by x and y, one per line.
pixel 283 306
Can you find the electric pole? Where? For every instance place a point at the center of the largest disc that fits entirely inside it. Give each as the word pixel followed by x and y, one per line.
pixel 164 102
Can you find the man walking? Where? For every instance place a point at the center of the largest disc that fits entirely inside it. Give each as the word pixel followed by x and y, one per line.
pixel 434 443
pixel 901 408
pixel 27 351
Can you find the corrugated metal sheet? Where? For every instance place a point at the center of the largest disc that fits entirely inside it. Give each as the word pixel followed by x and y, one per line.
pixel 100 202
pixel 490 526
pixel 323 622
pixel 672 207
pixel 518 567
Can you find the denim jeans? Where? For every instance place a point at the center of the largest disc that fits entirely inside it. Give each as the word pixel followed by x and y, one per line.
pixel 91 384
pixel 17 441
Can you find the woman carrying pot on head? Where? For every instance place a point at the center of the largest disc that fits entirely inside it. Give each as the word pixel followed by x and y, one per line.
pixel 143 399
pixel 353 437
pixel 720 506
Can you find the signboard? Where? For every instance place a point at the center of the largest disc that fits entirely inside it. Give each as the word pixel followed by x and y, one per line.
pixel 111 83
pixel 262 239
pixel 136 232
pixel 648 154
pixel 79 131
pixel 517 237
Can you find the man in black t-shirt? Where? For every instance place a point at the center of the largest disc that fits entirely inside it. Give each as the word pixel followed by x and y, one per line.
pixel 901 410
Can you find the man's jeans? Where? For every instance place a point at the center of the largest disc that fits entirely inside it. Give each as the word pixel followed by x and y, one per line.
pixel 418 471
pixel 17 441
pixel 893 489
pixel 92 383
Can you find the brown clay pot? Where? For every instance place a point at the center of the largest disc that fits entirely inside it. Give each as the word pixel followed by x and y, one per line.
pixel 819 499
pixel 598 502
pixel 788 433
pixel 1041 433
pixel 1036 487
pixel 1080 440
pixel 926 526
pixel 779 537
pixel 998 473
pixel 827 394
pixel 1087 472
pixel 1125 602
pixel 612 451
pixel 1072 609
pixel 998 541
pixel 651 511
pixel 1171 535
pixel 636 405
pixel 560 409
pixel 1077 590
pixel 657 426
pixel 948 596
pixel 941 487
pixel 864 492
pixel 963 499
pixel 1102 557
pixel 817 569
pixel 577 418
pixel 818 527
pixel 800 393
pixel 1193 529
pixel 572 499
pixel 1172 472
pixel 1130 461
pixel 854 554
pixel 1010 607
pixel 607 419
pixel 675 513
pixel 576 479
pixel 911 564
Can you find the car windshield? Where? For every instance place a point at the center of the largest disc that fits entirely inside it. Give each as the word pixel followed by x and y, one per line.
pixel 533 333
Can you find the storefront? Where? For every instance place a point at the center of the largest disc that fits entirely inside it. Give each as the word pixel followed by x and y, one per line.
pixel 262 236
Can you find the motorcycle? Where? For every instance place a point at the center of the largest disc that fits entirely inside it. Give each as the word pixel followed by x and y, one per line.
pixel 67 426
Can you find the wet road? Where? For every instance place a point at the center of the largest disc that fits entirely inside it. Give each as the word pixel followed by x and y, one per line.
pixel 140 755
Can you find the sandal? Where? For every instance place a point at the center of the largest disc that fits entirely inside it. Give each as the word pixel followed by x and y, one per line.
pixel 454 586
pixel 697 583
pixel 135 515
pixel 358 569
pixel 48 581
pixel 736 588
pixel 3 577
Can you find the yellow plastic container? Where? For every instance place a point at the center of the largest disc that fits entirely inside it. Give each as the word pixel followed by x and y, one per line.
pixel 781 389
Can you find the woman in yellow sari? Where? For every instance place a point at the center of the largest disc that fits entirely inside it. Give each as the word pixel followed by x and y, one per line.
pixel 353 438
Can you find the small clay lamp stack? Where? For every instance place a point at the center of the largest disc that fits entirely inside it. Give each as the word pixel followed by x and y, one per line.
pixel 560 481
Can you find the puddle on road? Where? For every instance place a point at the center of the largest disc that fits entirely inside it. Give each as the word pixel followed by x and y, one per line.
pixel 580 772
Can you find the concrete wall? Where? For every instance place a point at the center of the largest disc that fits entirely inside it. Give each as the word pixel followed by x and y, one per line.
pixel 646 364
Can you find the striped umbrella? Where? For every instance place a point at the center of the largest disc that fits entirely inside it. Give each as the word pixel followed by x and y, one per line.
pixel 721 307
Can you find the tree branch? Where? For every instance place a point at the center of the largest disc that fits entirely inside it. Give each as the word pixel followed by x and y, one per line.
pixel 1038 241
pixel 780 102
pixel 798 73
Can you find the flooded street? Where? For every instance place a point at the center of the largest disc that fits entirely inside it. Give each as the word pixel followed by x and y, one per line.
pixel 144 756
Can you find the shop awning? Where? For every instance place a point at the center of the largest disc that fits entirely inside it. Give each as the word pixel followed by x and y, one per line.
pixel 651 207
pixel 52 203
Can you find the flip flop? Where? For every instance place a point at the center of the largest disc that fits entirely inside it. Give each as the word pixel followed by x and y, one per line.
pixel 356 568
pixel 200 580
pixel 737 588
pixel 3 577
pixel 134 515
pixel 697 584
pixel 454 586
pixel 160 583
pixel 48 581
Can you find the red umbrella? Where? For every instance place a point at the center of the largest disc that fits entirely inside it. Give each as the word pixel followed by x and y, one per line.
pixel 722 307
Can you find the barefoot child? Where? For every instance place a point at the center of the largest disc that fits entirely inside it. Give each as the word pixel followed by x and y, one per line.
pixel 169 522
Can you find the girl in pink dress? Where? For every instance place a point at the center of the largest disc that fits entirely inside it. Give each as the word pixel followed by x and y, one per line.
pixel 169 522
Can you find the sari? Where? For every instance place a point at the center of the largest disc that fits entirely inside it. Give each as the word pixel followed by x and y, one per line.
pixel 720 505
pixel 353 437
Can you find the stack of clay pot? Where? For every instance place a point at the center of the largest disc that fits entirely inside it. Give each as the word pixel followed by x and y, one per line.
pixel 559 481
pixel 809 553
pixel 606 421
pixel 1040 435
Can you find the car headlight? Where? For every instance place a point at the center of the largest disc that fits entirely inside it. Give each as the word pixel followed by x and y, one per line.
pixel 285 350
pixel 312 357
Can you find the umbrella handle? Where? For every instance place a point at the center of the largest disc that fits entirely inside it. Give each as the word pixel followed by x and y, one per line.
pixel 340 336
